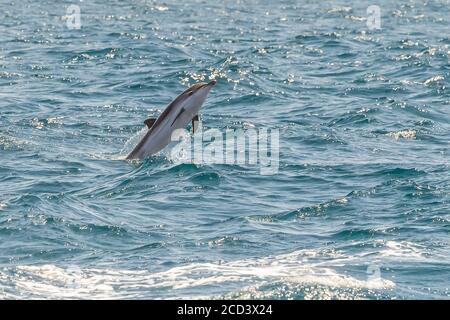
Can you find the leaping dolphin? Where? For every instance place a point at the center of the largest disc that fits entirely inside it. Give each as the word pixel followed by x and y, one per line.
pixel 177 115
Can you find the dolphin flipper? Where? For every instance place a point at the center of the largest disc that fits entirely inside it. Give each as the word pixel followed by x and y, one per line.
pixel 195 121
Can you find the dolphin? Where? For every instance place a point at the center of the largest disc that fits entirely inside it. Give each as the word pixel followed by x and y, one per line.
pixel 177 115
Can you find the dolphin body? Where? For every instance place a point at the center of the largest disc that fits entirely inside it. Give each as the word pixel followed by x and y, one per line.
pixel 177 115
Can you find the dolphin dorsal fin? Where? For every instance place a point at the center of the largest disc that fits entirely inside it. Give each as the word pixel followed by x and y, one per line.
pixel 195 121
pixel 149 122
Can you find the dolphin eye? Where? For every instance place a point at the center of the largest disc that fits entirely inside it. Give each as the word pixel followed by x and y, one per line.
pixel 191 93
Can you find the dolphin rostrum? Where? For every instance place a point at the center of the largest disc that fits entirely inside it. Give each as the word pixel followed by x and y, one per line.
pixel 177 115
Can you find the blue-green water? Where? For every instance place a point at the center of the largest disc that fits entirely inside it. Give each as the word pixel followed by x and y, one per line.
pixel 360 207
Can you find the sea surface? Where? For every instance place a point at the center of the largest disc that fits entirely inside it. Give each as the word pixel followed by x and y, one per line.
pixel 359 207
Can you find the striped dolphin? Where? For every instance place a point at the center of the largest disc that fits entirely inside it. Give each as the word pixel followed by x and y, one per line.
pixel 177 115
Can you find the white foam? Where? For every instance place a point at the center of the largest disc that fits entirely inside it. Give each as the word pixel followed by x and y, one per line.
pixel 127 148
pixel 402 249
pixel 133 141
pixel 406 134
pixel 300 268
